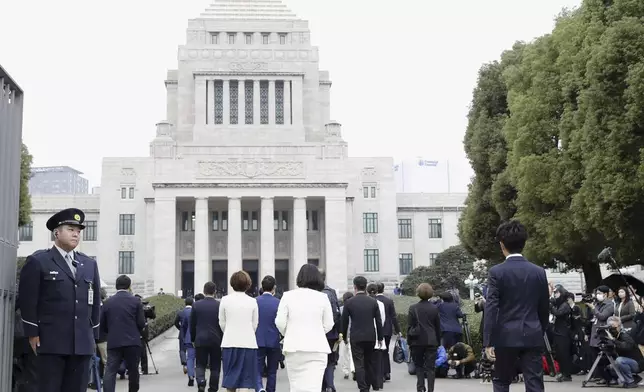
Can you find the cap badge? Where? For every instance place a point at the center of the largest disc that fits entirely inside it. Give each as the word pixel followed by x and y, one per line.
pixel 77 218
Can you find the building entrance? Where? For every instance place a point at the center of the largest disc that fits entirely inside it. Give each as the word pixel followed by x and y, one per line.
pixel 252 268
pixel 187 278
pixel 220 276
pixel 281 276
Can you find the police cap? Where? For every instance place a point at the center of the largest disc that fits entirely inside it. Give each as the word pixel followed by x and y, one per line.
pixel 70 216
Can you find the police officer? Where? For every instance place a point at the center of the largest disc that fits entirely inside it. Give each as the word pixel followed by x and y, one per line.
pixel 60 301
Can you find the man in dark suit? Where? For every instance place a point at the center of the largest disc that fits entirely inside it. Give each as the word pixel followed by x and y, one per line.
pixel 366 330
pixel 123 321
pixel 181 315
pixel 328 384
pixel 268 337
pixel 60 304
pixel 206 335
pixel 516 313
pixel 391 327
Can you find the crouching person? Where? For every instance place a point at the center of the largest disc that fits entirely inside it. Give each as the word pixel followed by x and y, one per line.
pixel 461 357
pixel 629 361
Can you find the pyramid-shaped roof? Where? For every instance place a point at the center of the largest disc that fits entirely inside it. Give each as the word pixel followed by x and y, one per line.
pixel 249 10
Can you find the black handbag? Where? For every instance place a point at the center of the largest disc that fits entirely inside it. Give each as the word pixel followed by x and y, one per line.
pixel 414 332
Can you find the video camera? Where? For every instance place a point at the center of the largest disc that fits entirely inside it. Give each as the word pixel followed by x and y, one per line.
pixel 587 298
pixel 149 310
pixel 605 343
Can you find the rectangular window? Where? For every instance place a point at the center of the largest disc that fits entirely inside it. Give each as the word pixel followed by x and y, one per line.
pixel 369 191
pixel 284 220
pixel 126 224
pixel 215 221
pixel 404 228
pixel 126 263
pixel 282 38
pixel 187 221
pixel 276 220
pixel 90 231
pixel 279 102
pixel 248 101
pixel 249 38
pixel 231 38
pixel 435 228
pixel 26 232
pixel 123 192
pixel 219 101
pixel 263 101
pixel 365 192
pixel 254 220
pixel 373 192
pixel 224 220
pixel 266 38
pixel 131 192
pixel 432 258
pixel 406 263
pixel 214 38
pixel 245 224
pixel 370 222
pixel 312 220
pixel 371 260
pixel 233 93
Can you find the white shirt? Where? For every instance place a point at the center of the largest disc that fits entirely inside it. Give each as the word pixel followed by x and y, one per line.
pixel 381 307
pixel 513 255
pixel 238 318
pixel 69 261
pixel 304 317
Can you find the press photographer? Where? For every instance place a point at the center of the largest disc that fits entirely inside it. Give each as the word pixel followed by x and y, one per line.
pixel 602 309
pixel 629 361
pixel 561 332
pixel 150 314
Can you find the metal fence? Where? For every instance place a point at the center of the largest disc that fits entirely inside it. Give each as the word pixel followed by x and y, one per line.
pixel 10 152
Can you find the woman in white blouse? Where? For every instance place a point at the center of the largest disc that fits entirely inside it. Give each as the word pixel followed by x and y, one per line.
pixel 238 319
pixel 304 317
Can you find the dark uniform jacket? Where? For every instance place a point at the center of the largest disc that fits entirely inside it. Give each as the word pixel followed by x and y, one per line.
pixel 63 310
pixel 204 323
pixel 391 320
pixel 122 320
pixel 362 310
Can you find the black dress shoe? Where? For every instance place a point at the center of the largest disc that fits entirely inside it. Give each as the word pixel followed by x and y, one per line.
pixel 191 382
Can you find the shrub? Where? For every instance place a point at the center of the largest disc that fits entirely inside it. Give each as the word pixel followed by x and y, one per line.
pixel 402 303
pixel 167 307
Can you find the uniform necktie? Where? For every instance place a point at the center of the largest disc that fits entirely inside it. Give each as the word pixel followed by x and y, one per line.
pixel 68 259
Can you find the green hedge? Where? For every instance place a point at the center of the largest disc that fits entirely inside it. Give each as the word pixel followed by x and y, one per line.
pixel 167 307
pixel 402 303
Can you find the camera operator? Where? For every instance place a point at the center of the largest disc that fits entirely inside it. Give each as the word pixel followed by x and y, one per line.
pixel 629 359
pixel 602 309
pixel 561 311
pixel 581 349
pixel 150 314
pixel 461 358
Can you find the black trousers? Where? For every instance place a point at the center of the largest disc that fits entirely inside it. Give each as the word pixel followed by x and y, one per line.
pixel 563 353
pixel 205 355
pixel 62 373
pixel 144 356
pixel 115 356
pixel 386 361
pixel 505 368
pixel 424 358
pixel 365 363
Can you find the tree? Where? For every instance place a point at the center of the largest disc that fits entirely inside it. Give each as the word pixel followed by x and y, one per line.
pixel 451 268
pixel 25 174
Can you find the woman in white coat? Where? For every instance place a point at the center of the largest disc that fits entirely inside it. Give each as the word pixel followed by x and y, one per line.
pixel 304 316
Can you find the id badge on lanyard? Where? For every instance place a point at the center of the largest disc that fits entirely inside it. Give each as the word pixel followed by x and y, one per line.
pixel 90 295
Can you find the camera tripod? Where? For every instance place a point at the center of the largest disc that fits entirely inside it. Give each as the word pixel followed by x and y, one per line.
pixel 603 354
pixel 550 359
pixel 156 370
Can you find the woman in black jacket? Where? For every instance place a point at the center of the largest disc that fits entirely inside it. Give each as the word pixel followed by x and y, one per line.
pixel 424 336
pixel 560 308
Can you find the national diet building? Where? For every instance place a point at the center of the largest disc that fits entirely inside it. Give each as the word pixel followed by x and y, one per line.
pixel 249 171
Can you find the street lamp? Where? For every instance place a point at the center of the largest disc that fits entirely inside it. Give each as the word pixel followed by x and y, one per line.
pixel 471 282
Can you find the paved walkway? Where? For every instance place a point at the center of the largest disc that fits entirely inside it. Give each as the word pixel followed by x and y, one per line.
pixel 172 379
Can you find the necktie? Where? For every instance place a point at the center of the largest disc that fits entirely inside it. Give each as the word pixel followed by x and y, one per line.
pixel 68 258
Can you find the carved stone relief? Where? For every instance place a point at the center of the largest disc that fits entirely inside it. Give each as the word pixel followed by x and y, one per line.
pixel 251 66
pixel 187 246
pixel 369 171
pixel 220 247
pixel 313 245
pixel 128 171
pixel 250 169
pixel 371 241
pixel 250 246
pixel 127 244
pixel 282 244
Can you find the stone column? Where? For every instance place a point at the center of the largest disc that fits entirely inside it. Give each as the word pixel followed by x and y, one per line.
pixel 267 258
pixel 297 102
pixel 300 246
pixel 202 244
pixel 210 116
pixel 241 103
pixel 287 102
pixel 226 102
pixel 256 103
pixel 234 238
pixel 335 213
pixel 165 253
pixel 200 101
pixel 271 102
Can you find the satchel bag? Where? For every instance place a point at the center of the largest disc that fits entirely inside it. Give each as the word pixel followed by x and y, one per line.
pixel 414 332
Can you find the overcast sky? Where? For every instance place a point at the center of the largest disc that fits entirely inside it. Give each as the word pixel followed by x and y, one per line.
pixel 403 71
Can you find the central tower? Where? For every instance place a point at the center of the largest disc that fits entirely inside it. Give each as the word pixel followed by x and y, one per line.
pixel 248 75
